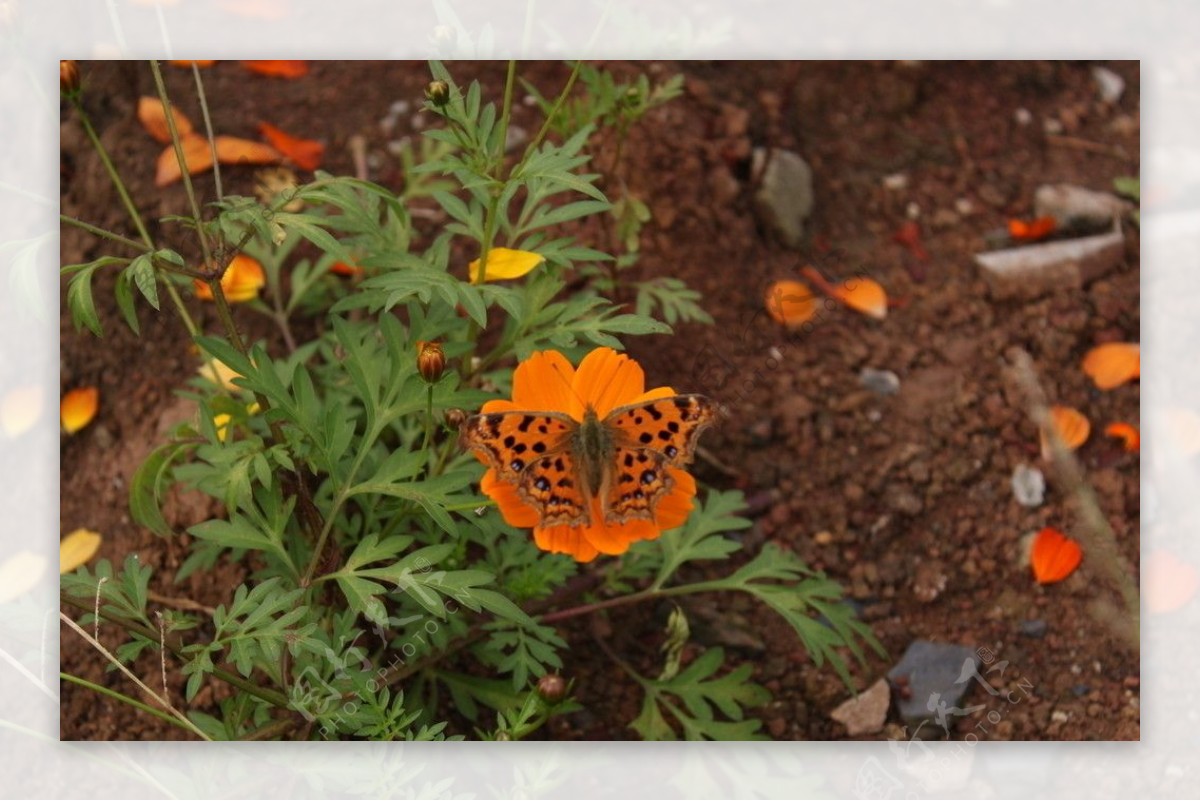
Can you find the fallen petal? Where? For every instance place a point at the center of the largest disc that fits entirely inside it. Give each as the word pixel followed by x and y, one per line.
pixel 76 548
pixel 153 117
pixel 78 408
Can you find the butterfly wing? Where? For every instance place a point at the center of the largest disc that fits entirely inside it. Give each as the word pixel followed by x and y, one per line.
pixel 550 485
pixel 511 441
pixel 669 426
pixel 640 480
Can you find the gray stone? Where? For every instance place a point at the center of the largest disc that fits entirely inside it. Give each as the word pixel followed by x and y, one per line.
pixel 932 677
pixel 865 713
pixel 1034 629
pixel 1032 271
pixel 784 198
pixel 881 382
pixel 1074 205
pixel 1028 485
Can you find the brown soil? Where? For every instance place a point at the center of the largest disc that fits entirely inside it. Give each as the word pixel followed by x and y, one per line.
pixel 905 499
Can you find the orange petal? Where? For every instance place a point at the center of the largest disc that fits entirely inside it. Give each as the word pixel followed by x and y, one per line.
pixel 243 279
pixel 1033 230
pixel 1054 556
pixel 1167 581
pixel 565 539
pixel 342 268
pixel 1128 434
pixel 1113 364
pixel 605 380
pixel 543 383
pixel 863 295
pixel 304 153
pixel 278 69
pixel 197 154
pixel 232 150
pixel 673 510
pixel 515 511
pixel 76 548
pixel 78 407
pixel 199 63
pixel 790 303
pixel 153 118
pixel 1072 427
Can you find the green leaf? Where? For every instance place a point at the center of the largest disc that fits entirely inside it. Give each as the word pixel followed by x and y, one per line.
pixel 148 485
pixel 142 269
pixel 79 297
pixel 693 698
pixel 123 291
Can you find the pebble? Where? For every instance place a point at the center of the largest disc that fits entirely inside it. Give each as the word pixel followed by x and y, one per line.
pixel 784 198
pixel 964 206
pixel 1058 716
pixel 1069 204
pixel 1110 85
pixel 903 500
pixel 929 673
pixel 1052 126
pixel 896 181
pixel 865 713
pixel 1034 629
pixel 929 580
pixel 881 382
pixel 1028 485
pixel 1023 116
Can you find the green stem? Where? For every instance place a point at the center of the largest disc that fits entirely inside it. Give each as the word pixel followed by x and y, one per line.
pixel 428 425
pixel 271 730
pixel 562 97
pixel 212 140
pixel 125 699
pixel 112 173
pixel 115 237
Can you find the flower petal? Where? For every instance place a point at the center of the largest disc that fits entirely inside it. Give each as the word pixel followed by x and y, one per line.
pixel 304 153
pixel 790 303
pixel 278 69
pixel 605 380
pixel 76 548
pixel 865 296
pixel 515 511
pixel 673 510
pixel 78 408
pixel 1054 556
pixel 242 280
pixel 504 263
pixel 1112 364
pixel 1127 433
pixel 153 117
pixel 1072 427
pixel 543 383
pixel 233 150
pixel 197 154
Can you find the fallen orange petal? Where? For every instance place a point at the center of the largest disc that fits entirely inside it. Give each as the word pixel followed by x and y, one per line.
pixel 1033 230
pixel 304 153
pixel 909 235
pixel 1129 435
pixel 76 548
pixel 242 280
pixel 197 154
pixel 1113 364
pixel 863 295
pixel 278 69
pixel 1167 581
pixel 790 303
pixel 232 150
pixel 1072 427
pixel 78 408
pixel 153 118
pixel 1054 556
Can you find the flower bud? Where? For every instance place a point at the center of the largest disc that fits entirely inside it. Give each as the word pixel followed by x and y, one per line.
pixel 431 361
pixel 68 77
pixel 438 93
pixel 552 688
pixel 454 418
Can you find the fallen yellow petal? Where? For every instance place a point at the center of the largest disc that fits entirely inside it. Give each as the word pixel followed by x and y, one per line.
pixel 19 573
pixel 78 408
pixel 76 548
pixel 20 409
pixel 220 374
pixel 503 263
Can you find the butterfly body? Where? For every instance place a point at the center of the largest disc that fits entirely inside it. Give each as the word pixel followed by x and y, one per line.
pixel 612 469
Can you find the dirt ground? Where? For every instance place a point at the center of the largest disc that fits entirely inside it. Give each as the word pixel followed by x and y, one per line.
pixel 904 499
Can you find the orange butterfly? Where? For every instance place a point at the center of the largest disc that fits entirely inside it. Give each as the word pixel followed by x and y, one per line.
pixel 559 466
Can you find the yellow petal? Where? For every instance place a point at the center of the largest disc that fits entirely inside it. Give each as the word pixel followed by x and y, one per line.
pixel 503 263
pixel 221 421
pixel 78 407
pixel 19 573
pixel 220 373
pixel 76 548
pixel 20 409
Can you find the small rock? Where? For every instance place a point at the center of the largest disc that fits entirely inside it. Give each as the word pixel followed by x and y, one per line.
pixel 881 382
pixel 903 500
pixel 1080 690
pixel 515 138
pixel 866 713
pixel 1032 271
pixel 1059 716
pixel 784 198
pixel 964 206
pixel 1052 126
pixel 1022 116
pixel 1034 629
pixel 929 677
pixel 1028 485
pixel 1110 85
pixel 929 580
pixel 1075 205
pixel 913 210
pixel 896 181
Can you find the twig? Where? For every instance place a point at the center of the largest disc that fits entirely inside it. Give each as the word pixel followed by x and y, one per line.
pixel 1097 534
pixel 179 603
pixel 1091 147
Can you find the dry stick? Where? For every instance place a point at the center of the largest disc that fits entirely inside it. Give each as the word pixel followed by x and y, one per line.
pixel 1096 533
pixel 179 603
pixel 1089 146
pixel 162 701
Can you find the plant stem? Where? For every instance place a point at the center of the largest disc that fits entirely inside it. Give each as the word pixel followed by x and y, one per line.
pixel 125 699
pixel 212 140
pixel 562 97
pixel 112 173
pixel 428 426
pixel 115 237
pixel 271 730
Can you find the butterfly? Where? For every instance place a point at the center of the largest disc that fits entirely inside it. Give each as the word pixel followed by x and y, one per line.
pixel 560 466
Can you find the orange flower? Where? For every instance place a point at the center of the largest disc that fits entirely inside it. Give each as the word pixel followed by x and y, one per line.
pixel 605 379
pixel 241 282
